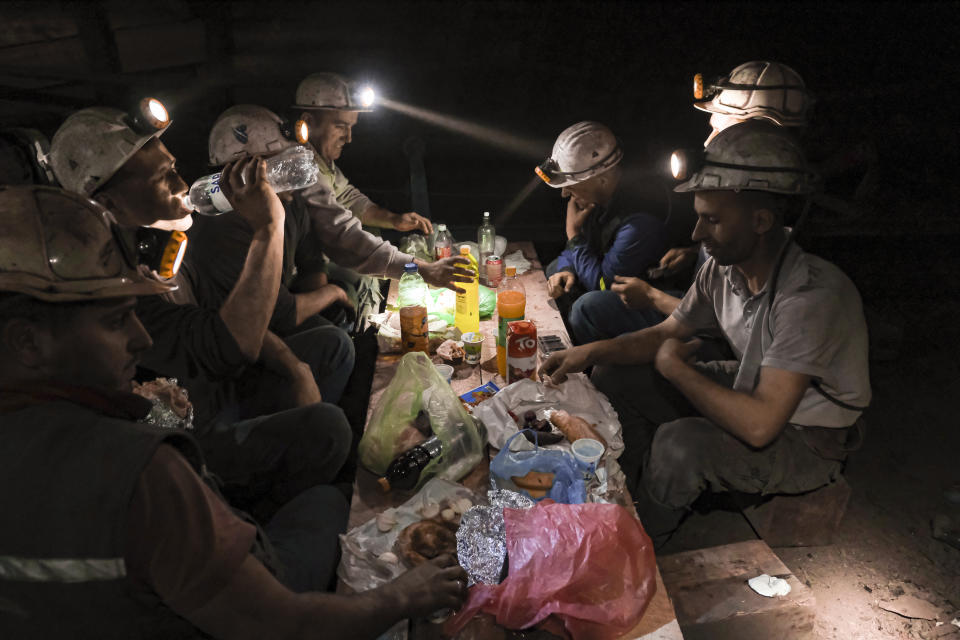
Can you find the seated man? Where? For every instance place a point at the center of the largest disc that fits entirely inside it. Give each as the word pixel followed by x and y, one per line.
pixel 602 240
pixel 331 108
pixel 263 426
pixel 113 530
pixel 768 91
pixel 219 244
pixel 781 417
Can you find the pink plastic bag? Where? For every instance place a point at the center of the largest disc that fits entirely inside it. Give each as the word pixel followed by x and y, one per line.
pixel 589 566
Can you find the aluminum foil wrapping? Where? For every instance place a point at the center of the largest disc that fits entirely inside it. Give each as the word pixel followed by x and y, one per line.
pixel 161 415
pixel 481 539
pixel 171 407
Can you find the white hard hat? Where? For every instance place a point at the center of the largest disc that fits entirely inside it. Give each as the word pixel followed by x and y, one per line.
pixel 252 129
pixel 759 89
pixel 92 144
pixel 753 155
pixel 581 151
pixel 61 247
pixel 327 90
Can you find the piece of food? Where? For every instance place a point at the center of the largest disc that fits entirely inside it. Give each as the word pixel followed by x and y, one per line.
pixel 386 521
pixel 542 438
pixel 461 505
pixel 536 483
pixel 574 427
pixel 451 351
pixel 430 510
pixel 448 514
pixel 424 540
pixel 389 557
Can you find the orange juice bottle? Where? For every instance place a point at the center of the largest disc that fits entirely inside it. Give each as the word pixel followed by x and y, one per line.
pixel 511 303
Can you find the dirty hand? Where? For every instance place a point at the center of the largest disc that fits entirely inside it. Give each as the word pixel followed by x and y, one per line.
pixel 634 292
pixel 555 369
pixel 303 386
pixel 438 584
pixel 412 220
pixel 244 183
pixel 560 283
pixel 677 258
pixel 673 352
pixel 577 213
pixel 446 272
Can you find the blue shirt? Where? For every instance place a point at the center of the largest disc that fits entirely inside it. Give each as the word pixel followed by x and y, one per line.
pixel 638 244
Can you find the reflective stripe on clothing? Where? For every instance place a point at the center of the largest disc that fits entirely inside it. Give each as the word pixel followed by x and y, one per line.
pixel 62 569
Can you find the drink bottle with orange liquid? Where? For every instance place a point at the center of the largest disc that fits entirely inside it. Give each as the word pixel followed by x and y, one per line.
pixel 511 303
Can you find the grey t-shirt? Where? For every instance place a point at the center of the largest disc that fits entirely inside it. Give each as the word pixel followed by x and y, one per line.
pixel 816 327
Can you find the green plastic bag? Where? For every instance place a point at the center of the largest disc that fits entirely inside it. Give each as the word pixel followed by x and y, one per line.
pixel 418 385
pixel 443 303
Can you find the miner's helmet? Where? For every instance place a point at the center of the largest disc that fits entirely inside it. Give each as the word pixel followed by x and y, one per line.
pixel 329 91
pixel 63 247
pixel 582 151
pixel 758 89
pixel 92 144
pixel 755 155
pixel 254 130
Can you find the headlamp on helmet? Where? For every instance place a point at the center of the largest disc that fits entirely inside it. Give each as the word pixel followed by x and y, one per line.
pixel 300 131
pixel 149 117
pixel 157 249
pixel 548 171
pixel 365 96
pixel 685 162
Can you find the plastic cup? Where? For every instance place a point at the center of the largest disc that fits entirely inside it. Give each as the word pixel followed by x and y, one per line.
pixel 587 451
pixel 445 370
pixel 472 346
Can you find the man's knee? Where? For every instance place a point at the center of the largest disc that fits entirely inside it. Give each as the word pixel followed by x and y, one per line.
pixel 324 432
pixel 675 471
pixel 584 316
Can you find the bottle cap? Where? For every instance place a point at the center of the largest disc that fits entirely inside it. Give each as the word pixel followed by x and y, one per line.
pixel 441 226
pixel 464 250
pixel 384 484
pixel 511 271
pixel 486 214
pixel 410 267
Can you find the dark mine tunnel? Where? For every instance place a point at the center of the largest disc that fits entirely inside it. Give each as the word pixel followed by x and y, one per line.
pixel 244 248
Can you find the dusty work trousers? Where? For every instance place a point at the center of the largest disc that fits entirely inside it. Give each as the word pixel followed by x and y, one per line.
pixel 673 455
pixel 282 469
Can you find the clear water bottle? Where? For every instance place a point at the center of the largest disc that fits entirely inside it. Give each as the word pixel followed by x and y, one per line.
pixel 412 300
pixel 443 244
pixel 292 169
pixel 486 243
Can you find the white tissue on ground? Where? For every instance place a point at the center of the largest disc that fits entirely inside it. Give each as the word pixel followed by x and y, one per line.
pixel 769 586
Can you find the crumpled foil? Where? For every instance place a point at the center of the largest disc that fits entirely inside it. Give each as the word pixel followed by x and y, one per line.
pixel 482 540
pixel 171 408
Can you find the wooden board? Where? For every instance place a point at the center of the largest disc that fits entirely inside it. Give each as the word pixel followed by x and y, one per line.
pixel 659 621
pixel 712 599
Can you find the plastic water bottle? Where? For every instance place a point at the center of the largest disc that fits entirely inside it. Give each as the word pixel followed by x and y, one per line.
pixel 292 169
pixel 467 313
pixel 443 244
pixel 412 300
pixel 486 243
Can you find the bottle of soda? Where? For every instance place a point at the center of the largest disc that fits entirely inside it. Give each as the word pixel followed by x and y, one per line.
pixel 486 244
pixel 443 244
pixel 412 300
pixel 292 169
pixel 404 471
pixel 467 312
pixel 511 304
pixel 460 455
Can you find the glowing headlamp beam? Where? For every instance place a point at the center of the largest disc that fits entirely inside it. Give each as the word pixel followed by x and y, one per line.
pixel 525 147
pixel 367 97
